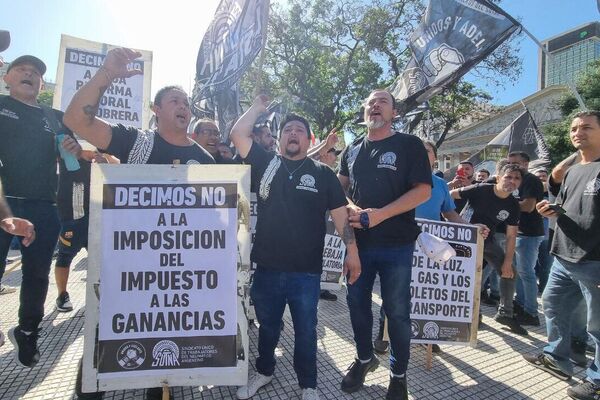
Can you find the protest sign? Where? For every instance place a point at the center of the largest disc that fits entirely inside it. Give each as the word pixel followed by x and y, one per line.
pixel 126 101
pixel 333 258
pixel 445 297
pixel 162 298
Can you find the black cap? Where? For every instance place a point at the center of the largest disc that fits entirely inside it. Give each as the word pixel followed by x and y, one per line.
pixel 36 62
pixel 4 40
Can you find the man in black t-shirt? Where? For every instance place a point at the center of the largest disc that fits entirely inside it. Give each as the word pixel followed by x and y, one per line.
pixel 575 274
pixel 493 205
pixel 294 193
pixel 167 145
pixel 28 157
pixel 386 175
pixel 207 135
pixel 531 234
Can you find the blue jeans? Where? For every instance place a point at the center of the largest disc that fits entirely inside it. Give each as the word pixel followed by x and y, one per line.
pixel 394 266
pixel 567 285
pixel 271 290
pixel 526 254
pixel 37 257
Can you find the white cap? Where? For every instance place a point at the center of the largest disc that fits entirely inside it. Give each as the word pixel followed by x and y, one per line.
pixel 435 248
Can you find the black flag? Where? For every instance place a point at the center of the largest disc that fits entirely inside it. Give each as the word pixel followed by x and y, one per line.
pixel 232 41
pixel 454 36
pixel 521 135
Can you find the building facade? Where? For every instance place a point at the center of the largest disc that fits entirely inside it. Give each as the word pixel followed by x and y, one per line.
pixel 570 54
pixel 543 106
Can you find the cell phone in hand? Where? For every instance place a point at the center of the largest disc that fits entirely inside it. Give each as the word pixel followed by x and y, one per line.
pixel 557 208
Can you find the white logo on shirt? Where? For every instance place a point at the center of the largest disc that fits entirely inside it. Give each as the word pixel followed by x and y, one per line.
pixel 592 187
pixel 516 193
pixel 9 113
pixel 502 215
pixel 47 126
pixel 387 160
pixel 307 182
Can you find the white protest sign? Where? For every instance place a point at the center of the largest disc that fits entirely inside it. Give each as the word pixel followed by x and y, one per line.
pixel 126 101
pixel 333 257
pixel 163 282
pixel 445 297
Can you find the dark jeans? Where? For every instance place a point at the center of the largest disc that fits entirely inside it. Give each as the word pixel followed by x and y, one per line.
pixel 543 265
pixel 36 259
pixel 271 290
pixel 493 253
pixel 394 266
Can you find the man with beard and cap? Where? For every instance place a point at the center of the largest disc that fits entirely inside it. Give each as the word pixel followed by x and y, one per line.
pixel 492 205
pixel 28 156
pixel 386 175
pixel 294 193
pixel 168 144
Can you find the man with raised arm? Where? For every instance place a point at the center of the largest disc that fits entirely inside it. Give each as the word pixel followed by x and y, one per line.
pixel 168 144
pixel 171 106
pixel 294 192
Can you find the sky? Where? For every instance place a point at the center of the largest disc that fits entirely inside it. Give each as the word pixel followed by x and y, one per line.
pixel 173 30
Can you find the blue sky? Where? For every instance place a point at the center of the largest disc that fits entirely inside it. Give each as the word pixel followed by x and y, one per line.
pixel 173 30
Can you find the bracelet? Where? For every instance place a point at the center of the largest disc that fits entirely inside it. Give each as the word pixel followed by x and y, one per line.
pixel 106 73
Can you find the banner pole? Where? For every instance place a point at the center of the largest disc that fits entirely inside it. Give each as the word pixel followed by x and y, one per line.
pixel 261 58
pixel 570 83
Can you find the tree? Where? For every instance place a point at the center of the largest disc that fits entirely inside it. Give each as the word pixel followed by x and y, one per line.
pixel 557 134
pixel 46 97
pixel 323 57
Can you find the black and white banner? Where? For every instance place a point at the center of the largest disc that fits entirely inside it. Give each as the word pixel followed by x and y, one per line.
pixel 232 41
pixel 454 35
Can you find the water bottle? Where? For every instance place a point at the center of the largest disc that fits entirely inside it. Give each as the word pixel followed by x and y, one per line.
pixel 70 160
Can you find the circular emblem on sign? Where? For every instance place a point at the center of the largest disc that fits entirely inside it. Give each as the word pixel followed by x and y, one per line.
pixel 165 354
pixel 431 330
pixel 131 355
pixel 414 328
pixel 190 162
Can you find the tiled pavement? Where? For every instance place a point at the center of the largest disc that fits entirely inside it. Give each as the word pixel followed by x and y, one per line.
pixel 493 370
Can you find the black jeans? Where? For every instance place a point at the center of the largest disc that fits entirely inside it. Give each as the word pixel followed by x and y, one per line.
pixel 37 257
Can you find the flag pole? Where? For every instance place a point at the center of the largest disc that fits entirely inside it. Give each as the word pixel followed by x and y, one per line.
pixel 261 58
pixel 569 81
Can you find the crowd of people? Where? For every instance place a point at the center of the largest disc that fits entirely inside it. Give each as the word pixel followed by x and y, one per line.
pixel 540 228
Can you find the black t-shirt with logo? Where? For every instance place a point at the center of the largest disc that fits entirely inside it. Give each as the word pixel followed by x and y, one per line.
pixel 577 234
pixel 135 146
pixel 460 203
pixel 28 151
pixel 380 172
pixel 290 228
pixel 484 207
pixel 530 223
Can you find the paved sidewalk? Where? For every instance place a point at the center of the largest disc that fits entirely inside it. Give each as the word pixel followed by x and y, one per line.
pixel 494 370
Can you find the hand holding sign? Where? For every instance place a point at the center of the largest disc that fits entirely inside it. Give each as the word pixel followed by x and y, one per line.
pixel 116 61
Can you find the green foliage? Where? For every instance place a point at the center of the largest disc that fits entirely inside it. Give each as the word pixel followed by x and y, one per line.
pixel 557 134
pixel 46 97
pixel 323 57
